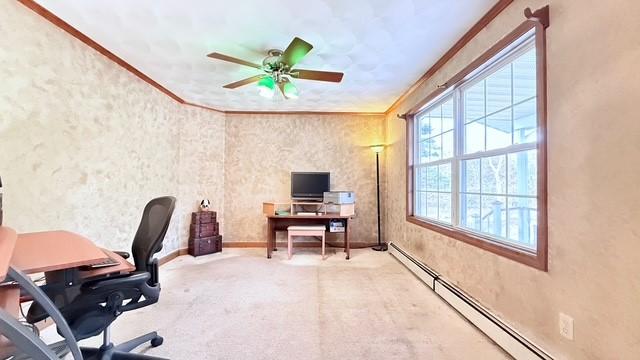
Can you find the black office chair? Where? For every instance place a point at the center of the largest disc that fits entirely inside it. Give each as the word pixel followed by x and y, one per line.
pixel 100 301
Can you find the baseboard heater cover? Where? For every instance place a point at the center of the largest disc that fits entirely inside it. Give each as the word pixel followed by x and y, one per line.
pixel 423 272
pixel 502 334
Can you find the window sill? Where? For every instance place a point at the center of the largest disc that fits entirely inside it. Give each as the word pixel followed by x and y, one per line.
pixel 536 261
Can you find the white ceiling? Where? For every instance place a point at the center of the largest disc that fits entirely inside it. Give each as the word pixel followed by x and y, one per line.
pixel 382 46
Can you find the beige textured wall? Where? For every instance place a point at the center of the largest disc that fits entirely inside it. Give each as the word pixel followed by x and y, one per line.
pixel 84 144
pixel 594 242
pixel 201 166
pixel 75 129
pixel 262 150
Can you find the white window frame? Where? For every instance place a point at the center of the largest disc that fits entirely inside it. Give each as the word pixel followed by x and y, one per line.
pixel 522 45
pixel 418 165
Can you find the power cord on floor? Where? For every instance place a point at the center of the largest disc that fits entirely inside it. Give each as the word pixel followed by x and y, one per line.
pixel 24 322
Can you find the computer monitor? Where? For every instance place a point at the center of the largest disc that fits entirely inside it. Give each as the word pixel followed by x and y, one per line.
pixel 309 185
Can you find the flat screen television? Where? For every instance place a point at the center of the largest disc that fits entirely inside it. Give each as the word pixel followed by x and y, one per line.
pixel 309 185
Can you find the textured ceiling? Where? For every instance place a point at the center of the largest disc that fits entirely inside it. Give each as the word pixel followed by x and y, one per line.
pixel 382 46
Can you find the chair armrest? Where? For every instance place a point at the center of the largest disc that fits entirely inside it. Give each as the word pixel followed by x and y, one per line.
pixel 132 286
pixel 123 254
pixel 117 282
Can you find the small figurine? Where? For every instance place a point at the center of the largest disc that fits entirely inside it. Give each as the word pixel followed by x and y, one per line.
pixel 204 204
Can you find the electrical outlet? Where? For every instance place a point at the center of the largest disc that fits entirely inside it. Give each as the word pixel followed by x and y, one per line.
pixel 566 326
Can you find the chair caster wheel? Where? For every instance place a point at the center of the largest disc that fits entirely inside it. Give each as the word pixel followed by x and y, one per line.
pixel 157 341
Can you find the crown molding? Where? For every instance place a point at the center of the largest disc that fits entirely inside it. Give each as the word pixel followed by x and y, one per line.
pixel 233 112
pixel 40 10
pixel 204 107
pixel 63 25
pixel 475 29
pixel 464 40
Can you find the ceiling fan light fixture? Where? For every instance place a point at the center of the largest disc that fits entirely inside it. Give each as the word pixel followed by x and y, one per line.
pixel 266 87
pixel 277 68
pixel 290 90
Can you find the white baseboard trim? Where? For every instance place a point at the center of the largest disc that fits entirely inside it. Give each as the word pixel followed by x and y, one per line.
pixel 420 270
pixel 497 330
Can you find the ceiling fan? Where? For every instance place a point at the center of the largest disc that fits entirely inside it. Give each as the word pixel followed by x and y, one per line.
pixel 278 70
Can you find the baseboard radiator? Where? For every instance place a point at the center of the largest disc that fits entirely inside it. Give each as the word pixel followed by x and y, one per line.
pixel 501 333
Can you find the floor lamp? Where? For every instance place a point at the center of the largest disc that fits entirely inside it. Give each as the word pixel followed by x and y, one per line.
pixel 378 149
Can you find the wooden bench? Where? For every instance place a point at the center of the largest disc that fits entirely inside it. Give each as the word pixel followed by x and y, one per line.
pixel 305 230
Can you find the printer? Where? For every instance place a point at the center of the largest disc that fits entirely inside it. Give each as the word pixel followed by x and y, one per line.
pixel 339 197
pixel 336 226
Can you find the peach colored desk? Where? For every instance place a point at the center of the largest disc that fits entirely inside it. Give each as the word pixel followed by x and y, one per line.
pixel 53 252
pixel 8 293
pixel 8 238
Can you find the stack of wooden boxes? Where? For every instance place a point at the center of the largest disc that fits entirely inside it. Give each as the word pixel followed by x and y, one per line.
pixel 204 234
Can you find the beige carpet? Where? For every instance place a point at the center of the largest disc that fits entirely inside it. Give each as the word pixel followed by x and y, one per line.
pixel 240 305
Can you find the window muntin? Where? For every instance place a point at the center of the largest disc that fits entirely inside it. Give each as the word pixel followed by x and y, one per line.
pixel 475 159
pixel 435 150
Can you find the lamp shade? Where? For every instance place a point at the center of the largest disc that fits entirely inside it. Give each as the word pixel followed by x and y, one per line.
pixel 290 90
pixel 266 87
pixel 377 148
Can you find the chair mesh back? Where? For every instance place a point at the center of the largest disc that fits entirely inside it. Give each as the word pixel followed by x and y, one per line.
pixel 153 227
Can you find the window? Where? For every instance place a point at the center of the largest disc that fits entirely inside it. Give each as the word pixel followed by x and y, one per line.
pixel 475 155
pixel 433 170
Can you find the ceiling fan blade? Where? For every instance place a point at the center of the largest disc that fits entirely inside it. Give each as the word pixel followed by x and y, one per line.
pixel 317 75
pixel 228 58
pixel 246 81
pixel 295 51
pixel 281 87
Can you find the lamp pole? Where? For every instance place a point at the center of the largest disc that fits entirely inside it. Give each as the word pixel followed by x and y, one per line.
pixel 381 246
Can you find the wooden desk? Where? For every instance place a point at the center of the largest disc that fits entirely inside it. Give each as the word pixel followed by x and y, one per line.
pixel 58 254
pixel 280 223
pixel 54 252
pixel 8 238
pixel 8 293
pixel 123 267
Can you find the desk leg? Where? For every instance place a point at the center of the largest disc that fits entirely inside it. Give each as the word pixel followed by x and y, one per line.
pixel 10 299
pixel 9 302
pixel 344 236
pixel 271 237
pixel 346 239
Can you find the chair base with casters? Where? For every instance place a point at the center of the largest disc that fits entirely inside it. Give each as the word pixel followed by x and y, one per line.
pixel 302 230
pixel 122 351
